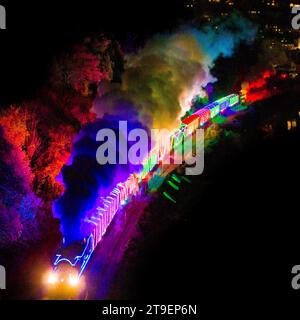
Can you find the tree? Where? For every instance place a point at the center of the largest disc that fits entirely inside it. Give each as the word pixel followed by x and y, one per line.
pixel 16 133
pixel 77 70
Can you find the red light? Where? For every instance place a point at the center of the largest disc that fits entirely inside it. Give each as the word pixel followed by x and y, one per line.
pixel 267 74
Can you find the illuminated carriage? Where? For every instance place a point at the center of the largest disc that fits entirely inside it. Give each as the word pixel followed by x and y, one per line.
pixel 202 116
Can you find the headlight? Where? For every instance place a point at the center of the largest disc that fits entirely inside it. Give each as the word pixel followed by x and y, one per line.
pixel 73 281
pixel 52 278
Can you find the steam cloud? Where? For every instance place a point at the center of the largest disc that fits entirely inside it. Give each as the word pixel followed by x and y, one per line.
pixel 163 77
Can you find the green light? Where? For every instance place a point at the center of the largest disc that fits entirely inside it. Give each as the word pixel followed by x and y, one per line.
pixel 169 197
pixel 215 111
pixel 219 119
pixel 239 108
pixel 173 185
pixel 233 100
pixel 175 178
pixel 220 101
pixel 186 179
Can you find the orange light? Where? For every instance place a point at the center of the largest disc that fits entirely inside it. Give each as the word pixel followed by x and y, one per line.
pixel 73 281
pixel 52 278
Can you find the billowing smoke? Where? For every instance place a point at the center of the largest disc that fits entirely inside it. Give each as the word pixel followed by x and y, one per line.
pixel 159 83
pixel 85 180
pixel 163 77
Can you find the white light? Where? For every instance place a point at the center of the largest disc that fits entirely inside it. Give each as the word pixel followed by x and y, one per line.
pixel 52 279
pixel 73 281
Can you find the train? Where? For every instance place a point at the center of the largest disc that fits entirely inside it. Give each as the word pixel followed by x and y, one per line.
pixel 71 261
